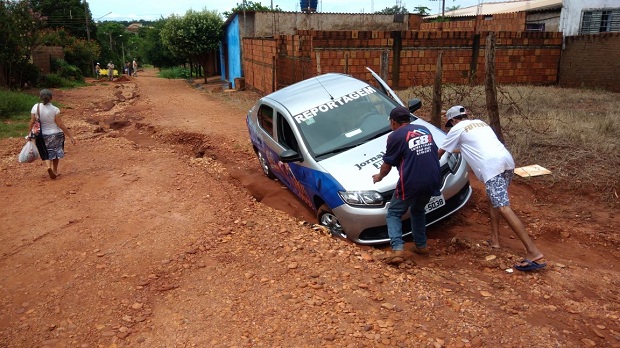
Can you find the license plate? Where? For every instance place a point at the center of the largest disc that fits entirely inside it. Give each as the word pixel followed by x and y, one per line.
pixel 435 202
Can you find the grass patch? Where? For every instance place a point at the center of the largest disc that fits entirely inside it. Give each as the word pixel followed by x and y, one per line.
pixel 174 73
pixel 15 113
pixel 573 132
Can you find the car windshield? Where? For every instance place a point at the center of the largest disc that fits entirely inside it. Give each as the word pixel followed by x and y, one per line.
pixel 345 122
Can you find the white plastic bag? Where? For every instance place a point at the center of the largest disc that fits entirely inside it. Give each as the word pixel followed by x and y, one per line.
pixel 29 152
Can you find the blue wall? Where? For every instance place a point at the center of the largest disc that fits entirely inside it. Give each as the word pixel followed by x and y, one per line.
pixel 233 51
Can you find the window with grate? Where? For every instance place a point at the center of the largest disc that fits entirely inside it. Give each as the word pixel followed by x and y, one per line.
pixel 600 21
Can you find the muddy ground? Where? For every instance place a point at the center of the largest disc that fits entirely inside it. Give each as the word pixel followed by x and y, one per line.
pixel 161 231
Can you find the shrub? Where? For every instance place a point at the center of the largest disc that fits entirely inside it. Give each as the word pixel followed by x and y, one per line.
pixel 65 70
pixel 13 104
pixel 174 73
pixel 31 75
pixel 15 113
pixel 57 81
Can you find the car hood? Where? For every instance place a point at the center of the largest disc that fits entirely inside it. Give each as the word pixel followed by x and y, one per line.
pixel 354 168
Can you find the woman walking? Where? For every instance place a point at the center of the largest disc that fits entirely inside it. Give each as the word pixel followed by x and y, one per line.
pixel 53 131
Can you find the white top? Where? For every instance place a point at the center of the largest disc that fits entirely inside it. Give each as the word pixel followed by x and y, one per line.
pixel 484 153
pixel 48 118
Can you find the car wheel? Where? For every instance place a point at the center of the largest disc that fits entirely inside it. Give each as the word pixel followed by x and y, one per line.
pixel 326 218
pixel 264 164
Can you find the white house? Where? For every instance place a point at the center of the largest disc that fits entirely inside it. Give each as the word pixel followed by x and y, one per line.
pixel 589 17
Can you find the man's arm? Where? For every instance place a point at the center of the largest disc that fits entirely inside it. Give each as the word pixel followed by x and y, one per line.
pixel 383 171
pixel 440 153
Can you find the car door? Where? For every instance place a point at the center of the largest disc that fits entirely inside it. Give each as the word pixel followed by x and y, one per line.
pixel 385 88
pixel 296 174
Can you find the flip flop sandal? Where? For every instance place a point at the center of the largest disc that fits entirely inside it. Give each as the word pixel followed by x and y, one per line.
pixel 530 266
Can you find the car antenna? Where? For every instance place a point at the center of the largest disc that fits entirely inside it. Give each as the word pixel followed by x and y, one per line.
pixel 330 95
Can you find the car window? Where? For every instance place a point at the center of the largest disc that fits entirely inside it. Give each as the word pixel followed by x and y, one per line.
pixel 345 124
pixel 265 118
pixel 286 137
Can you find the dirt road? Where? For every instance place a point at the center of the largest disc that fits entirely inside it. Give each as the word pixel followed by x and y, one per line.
pixel 162 232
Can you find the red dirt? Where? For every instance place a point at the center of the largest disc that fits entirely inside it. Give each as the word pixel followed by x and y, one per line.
pixel 162 231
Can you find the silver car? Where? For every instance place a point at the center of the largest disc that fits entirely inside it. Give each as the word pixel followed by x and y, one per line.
pixel 324 138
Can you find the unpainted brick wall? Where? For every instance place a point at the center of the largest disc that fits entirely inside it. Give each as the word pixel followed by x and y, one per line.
pixel 294 62
pixel 259 64
pixel 408 57
pixel 591 61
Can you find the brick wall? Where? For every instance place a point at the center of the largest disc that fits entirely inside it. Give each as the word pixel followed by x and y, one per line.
pixel 591 61
pixel 406 58
pixel 42 57
pixel 259 64
pixel 293 61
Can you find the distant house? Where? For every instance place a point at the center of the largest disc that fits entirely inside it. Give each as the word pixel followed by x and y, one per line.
pixel 519 15
pixel 590 17
pixel 134 27
pixel 571 17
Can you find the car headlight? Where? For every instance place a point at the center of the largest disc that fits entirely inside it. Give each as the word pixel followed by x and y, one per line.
pixel 361 198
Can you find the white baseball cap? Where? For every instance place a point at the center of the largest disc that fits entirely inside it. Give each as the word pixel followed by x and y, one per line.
pixel 453 112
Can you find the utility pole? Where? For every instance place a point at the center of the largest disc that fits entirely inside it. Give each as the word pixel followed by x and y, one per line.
pixel 92 66
pixel 123 49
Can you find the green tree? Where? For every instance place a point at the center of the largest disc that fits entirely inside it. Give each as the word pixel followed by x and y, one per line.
pixel 195 36
pixel 153 50
pixel 393 10
pixel 111 37
pixel 19 34
pixel 251 6
pixel 72 15
pixel 78 52
pixel 422 10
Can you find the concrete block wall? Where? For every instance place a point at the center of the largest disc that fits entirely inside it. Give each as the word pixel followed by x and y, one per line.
pixel 591 61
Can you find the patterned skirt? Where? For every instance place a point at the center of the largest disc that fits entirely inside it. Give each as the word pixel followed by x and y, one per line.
pixel 55 144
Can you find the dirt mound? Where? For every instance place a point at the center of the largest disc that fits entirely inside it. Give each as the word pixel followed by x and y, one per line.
pixel 122 78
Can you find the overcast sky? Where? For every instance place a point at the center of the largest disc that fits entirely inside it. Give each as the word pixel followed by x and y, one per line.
pixel 154 9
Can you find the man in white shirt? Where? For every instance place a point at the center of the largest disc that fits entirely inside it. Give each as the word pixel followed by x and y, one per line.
pixel 493 165
pixel 110 70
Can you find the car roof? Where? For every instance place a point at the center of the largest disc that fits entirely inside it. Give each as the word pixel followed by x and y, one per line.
pixel 315 91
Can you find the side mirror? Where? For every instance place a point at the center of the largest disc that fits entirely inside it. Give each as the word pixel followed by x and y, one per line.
pixel 414 104
pixel 290 156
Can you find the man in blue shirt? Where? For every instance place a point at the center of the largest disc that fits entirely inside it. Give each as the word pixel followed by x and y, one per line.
pixel 412 150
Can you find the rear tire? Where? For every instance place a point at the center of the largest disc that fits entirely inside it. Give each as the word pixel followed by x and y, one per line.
pixel 326 218
pixel 264 164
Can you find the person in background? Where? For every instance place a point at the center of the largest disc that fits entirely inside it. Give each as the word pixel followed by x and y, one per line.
pixel 411 149
pixel 135 67
pixel 489 159
pixel 97 70
pixel 53 131
pixel 110 70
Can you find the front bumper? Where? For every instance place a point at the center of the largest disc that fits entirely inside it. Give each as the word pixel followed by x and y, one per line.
pixel 367 226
